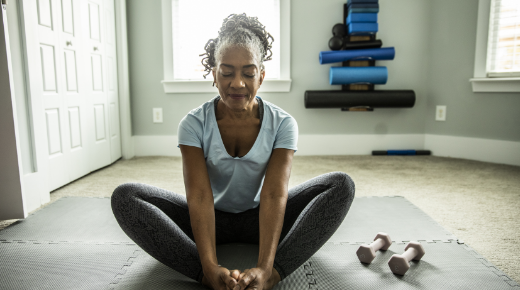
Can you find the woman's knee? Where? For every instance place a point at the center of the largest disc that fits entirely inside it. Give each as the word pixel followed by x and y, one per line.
pixel 344 183
pixel 123 194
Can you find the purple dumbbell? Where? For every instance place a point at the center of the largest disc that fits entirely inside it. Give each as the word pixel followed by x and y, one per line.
pixel 367 253
pixel 399 264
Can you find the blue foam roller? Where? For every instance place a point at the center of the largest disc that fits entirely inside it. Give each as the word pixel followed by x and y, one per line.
pixel 362 1
pixel 362 17
pixel 346 75
pixel 363 10
pixel 362 28
pixel 385 53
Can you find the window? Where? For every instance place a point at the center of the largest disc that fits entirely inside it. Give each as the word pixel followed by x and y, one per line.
pixel 503 58
pixel 189 24
pixel 190 33
pixel 481 81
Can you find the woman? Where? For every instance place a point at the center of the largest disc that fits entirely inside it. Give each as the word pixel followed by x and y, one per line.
pixel 237 151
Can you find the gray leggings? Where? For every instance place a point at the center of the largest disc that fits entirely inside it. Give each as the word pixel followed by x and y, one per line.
pixel 158 221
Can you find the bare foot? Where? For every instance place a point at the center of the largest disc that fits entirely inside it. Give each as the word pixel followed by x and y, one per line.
pixel 273 280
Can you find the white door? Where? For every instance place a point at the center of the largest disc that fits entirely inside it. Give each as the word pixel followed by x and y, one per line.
pixel 94 44
pixel 67 69
pixel 52 37
pixel 74 91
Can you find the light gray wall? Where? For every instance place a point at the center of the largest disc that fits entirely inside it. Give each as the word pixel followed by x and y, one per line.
pixel 404 24
pixel 435 46
pixel 482 115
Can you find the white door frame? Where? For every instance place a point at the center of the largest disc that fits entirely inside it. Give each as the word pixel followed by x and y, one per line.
pixel 12 203
pixel 127 142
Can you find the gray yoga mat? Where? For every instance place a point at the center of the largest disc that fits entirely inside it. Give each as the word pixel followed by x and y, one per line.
pixel 79 266
pixel 69 219
pixel 444 266
pixel 396 216
pixel 148 273
pixel 90 251
pixel 91 220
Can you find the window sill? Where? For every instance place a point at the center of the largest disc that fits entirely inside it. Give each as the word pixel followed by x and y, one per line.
pixel 495 85
pixel 175 87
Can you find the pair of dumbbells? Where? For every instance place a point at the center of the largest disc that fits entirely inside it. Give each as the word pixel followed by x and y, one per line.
pixel 337 42
pixel 398 264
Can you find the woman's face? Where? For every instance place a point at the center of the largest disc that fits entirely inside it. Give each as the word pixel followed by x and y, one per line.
pixel 238 77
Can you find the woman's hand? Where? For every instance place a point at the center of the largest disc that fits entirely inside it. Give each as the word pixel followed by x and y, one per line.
pixel 218 278
pixel 254 279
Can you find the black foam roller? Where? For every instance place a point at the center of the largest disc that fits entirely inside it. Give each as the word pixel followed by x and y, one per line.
pixel 363 44
pixel 348 99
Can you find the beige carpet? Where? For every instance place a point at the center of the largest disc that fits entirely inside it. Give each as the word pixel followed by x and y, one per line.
pixel 478 202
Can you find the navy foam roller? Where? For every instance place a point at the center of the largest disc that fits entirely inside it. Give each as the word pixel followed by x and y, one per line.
pixel 384 53
pixel 362 5
pixel 377 75
pixel 363 10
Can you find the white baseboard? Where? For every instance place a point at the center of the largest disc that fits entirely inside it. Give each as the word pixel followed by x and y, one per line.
pixel 156 146
pixel 487 150
pixel 356 144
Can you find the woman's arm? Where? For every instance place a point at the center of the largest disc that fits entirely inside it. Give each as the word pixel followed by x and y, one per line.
pixel 273 199
pixel 202 215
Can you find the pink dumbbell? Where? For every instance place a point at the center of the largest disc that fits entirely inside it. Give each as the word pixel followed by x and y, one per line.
pixel 367 253
pixel 399 264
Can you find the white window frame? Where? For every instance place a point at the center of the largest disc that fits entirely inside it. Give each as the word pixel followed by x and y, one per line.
pixel 283 84
pixel 480 82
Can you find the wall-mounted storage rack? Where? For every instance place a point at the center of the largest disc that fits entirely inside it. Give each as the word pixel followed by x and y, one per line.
pixel 355 46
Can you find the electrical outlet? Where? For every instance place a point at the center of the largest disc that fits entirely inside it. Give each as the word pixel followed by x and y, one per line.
pixel 440 113
pixel 157 115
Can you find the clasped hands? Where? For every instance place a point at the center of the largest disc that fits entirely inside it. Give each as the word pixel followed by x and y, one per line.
pixel 220 278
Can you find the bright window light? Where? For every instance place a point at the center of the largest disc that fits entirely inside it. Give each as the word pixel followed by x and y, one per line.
pixel 504 39
pixel 196 21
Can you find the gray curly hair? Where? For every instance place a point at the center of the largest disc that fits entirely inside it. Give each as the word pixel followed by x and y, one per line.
pixel 238 30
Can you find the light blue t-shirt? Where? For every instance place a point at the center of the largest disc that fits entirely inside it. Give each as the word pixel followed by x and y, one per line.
pixel 236 182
